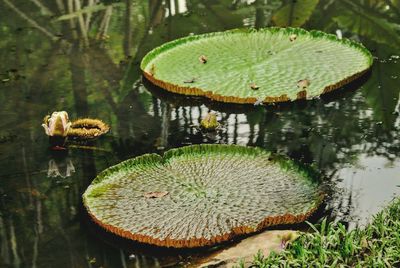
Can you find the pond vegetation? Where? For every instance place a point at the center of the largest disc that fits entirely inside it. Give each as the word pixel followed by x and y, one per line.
pixel 331 245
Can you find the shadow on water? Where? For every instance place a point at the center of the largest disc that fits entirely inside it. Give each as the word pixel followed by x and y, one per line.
pixel 182 100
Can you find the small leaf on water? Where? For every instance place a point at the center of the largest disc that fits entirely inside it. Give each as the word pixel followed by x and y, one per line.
pixel 303 84
pixel 292 37
pixel 203 59
pixel 190 81
pixel 155 194
pixel 254 86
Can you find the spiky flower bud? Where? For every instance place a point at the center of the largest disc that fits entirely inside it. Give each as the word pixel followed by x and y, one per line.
pixel 210 122
pixel 57 124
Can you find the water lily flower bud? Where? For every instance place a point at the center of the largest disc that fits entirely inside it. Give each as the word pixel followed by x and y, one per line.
pixel 57 124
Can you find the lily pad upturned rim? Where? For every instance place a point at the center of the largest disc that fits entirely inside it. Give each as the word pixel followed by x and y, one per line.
pixel 145 159
pixel 194 91
pixel 87 128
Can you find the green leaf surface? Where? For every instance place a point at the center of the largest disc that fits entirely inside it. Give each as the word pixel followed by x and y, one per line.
pixel 295 14
pixel 202 195
pixel 247 65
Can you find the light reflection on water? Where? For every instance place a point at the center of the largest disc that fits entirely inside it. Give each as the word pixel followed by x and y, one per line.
pixel 367 186
pixel 352 136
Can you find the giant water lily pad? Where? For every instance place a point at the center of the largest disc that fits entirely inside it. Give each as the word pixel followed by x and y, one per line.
pixel 246 66
pixel 200 195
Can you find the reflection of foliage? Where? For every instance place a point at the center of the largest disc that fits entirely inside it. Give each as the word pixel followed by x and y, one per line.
pixel 325 134
pixel 109 2
pixel 369 19
pixel 382 90
pixel 83 11
pixel 294 13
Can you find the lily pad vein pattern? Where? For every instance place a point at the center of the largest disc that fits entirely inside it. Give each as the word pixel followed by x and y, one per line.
pixel 211 193
pixel 274 59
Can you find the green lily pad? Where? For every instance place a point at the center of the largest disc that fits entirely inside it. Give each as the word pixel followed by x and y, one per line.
pixel 200 195
pixel 245 66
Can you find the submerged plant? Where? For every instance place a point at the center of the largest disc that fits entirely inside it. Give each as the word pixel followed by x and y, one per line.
pixel 277 58
pixel 200 195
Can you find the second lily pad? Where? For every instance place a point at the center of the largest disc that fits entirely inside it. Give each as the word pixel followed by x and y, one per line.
pixel 246 66
pixel 200 195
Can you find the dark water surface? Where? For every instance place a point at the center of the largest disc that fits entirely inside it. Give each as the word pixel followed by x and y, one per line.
pixel 83 57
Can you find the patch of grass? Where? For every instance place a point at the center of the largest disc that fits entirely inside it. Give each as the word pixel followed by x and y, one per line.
pixel 331 245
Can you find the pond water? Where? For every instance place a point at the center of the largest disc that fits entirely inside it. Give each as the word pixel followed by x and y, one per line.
pixel 83 57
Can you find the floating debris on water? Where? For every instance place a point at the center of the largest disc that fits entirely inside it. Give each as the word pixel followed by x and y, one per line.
pixel 303 84
pixel 155 194
pixel 152 69
pixel 203 59
pixel 190 81
pixel 254 86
